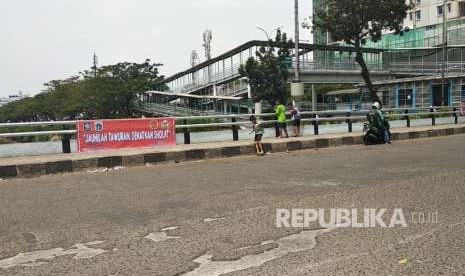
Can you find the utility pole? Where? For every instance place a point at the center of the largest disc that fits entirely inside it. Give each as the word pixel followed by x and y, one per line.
pixel 297 88
pixel 297 38
pixel 444 51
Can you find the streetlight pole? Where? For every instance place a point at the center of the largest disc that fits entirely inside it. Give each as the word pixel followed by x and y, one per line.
pixel 297 88
pixel 258 105
pixel 271 33
pixel 297 37
pixel 263 30
pixel 444 53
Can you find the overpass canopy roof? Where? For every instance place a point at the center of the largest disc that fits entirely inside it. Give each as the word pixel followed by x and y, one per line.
pixel 304 47
pixel 344 92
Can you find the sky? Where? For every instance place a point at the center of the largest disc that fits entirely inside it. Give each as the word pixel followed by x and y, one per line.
pixel 42 40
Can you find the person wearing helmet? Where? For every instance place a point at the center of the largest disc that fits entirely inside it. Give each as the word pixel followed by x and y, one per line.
pixel 378 123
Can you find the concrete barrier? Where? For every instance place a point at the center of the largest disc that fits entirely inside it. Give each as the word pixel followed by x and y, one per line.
pixel 66 164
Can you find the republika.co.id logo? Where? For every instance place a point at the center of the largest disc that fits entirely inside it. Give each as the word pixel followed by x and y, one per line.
pixel 355 218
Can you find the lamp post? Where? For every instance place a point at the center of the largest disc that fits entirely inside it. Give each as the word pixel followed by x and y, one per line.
pixel 297 37
pixel 258 105
pixel 266 33
pixel 297 88
pixel 444 53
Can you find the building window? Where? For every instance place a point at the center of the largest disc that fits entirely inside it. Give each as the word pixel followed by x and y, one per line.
pixel 385 99
pixel 440 10
pixel 418 1
pixel 411 16
pixel 449 8
pixel 405 98
pixel 418 15
pixel 463 94
pixel 461 9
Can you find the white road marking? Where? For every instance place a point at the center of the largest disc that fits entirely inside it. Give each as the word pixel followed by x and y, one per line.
pixel 162 236
pixel 212 219
pixel 169 228
pixel 305 240
pixel 80 251
pixel 95 243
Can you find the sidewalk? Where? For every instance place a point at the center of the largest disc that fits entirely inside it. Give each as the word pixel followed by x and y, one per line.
pixel 32 166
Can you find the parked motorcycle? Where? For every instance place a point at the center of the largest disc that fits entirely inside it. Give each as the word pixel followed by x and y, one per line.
pixel 372 136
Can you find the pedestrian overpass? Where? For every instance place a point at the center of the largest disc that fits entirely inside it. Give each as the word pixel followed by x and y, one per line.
pixel 218 86
pixel 225 68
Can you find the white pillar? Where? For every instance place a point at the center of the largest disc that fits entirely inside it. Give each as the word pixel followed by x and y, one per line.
pixel 214 90
pixel 297 89
pixel 258 107
pixel 249 97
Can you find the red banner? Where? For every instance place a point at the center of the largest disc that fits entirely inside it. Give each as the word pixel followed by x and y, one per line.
pixel 126 133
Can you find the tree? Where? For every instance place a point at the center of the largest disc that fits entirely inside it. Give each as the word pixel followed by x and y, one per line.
pixel 268 73
pixel 111 93
pixel 355 21
pixel 124 83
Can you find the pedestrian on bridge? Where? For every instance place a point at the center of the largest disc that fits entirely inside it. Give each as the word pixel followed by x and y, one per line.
pixel 280 111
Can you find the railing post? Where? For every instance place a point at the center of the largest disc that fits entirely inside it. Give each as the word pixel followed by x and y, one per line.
pixel 187 135
pixel 433 117
pixel 407 117
pixel 349 122
pixel 234 130
pixel 65 142
pixel 456 117
pixel 315 124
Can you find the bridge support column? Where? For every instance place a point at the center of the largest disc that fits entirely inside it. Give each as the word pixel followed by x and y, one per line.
pixel 249 97
pixel 314 98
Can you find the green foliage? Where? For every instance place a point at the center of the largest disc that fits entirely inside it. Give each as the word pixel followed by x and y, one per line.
pixel 355 21
pixel 112 93
pixel 268 73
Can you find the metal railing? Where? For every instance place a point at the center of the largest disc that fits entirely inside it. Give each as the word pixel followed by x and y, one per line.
pixel 229 73
pixel 186 124
pixel 232 72
pixel 174 110
pixel 338 66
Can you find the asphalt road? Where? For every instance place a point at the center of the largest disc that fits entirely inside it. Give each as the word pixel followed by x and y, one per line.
pixel 218 217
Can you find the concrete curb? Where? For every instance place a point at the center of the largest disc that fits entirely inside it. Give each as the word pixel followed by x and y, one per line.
pixel 35 169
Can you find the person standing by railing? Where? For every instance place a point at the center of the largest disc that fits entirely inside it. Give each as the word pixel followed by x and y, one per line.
pixel 295 115
pixel 258 129
pixel 280 111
